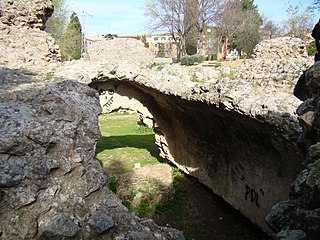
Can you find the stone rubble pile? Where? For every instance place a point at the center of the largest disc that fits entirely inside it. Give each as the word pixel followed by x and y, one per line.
pixel 282 47
pixel 28 48
pixel 121 51
pixel 279 61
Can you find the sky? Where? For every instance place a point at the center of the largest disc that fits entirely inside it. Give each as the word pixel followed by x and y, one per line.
pixel 127 16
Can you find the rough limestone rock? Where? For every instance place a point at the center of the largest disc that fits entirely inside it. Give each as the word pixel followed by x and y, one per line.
pixel 26 13
pixel 277 62
pixel 50 185
pixel 299 217
pixel 28 48
pixel 234 135
pixel 282 47
pixel 22 44
pixel 128 51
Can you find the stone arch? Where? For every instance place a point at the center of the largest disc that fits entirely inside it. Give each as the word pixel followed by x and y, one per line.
pixel 248 162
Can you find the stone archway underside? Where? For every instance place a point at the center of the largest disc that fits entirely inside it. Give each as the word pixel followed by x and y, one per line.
pixel 248 162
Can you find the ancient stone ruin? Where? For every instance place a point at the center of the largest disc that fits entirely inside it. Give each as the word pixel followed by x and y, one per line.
pixel 237 136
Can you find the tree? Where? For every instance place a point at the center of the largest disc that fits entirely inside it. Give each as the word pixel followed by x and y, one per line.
pixel 316 4
pixel 57 23
pixel 170 15
pixel 191 26
pixel 269 29
pixel 239 24
pixel 208 15
pixel 248 33
pixel 72 39
pixel 299 22
pixel 229 20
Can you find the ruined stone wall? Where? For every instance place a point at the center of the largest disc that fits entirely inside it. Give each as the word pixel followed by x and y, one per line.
pixel 236 136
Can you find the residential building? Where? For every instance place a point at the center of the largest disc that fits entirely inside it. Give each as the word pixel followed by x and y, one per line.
pixel 161 44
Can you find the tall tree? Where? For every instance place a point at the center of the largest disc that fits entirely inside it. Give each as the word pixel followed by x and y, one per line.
pixel 316 4
pixel 72 39
pixel 191 26
pixel 299 21
pixel 57 23
pixel 248 33
pixel 239 24
pixel 207 15
pixel 229 20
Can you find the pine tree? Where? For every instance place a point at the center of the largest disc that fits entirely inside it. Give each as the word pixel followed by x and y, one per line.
pixel 72 39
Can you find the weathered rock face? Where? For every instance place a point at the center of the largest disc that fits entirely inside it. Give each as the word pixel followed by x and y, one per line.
pixel 27 48
pixel 25 13
pixel 22 44
pixel 50 185
pixel 298 217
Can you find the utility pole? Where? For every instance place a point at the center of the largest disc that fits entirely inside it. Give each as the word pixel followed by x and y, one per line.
pixel 83 16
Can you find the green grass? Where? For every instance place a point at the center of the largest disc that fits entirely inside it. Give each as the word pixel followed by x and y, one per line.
pixel 124 142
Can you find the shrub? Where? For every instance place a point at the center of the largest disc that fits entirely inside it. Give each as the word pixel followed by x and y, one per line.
pixel 214 57
pixel 244 56
pixel 312 51
pixel 192 60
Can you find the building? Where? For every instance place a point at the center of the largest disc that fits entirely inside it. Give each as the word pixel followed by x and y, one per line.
pixel 161 44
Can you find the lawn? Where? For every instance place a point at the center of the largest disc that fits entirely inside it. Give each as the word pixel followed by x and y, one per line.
pixel 124 142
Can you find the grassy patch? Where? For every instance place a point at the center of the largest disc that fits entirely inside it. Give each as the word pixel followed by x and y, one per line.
pixel 124 142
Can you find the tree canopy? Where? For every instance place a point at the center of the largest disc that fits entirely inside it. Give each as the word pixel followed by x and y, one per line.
pixel 68 34
pixel 72 39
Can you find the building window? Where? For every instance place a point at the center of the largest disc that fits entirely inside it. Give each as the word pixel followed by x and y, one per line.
pixel 156 38
pixel 163 38
pixel 170 38
pixel 156 45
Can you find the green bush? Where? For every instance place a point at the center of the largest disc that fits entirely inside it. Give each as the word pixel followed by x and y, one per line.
pixel 192 60
pixel 214 57
pixel 244 56
pixel 312 51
